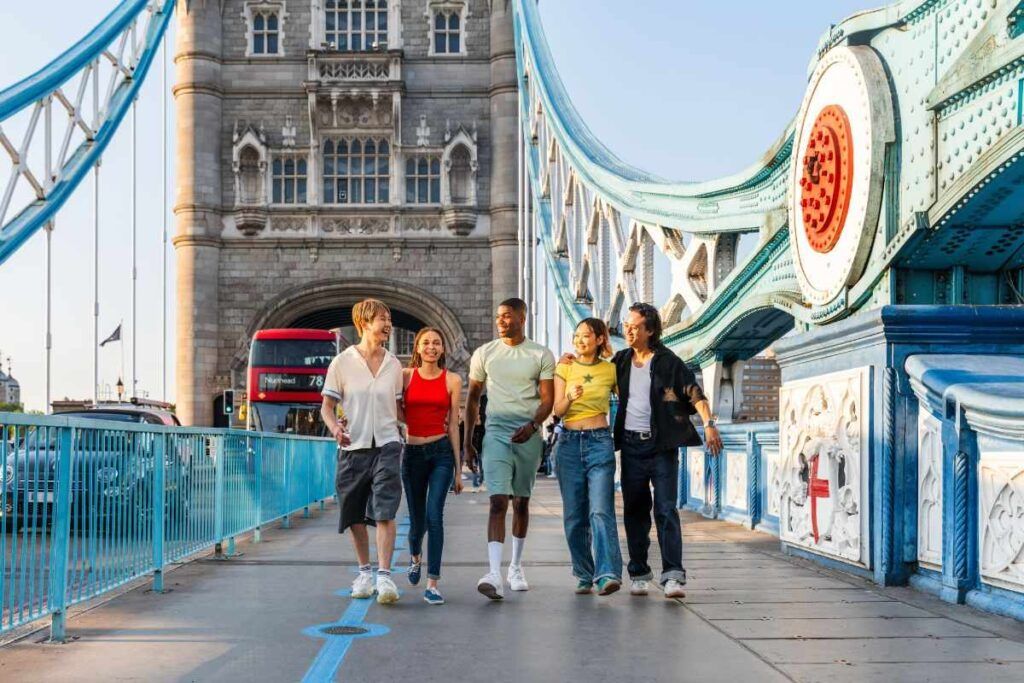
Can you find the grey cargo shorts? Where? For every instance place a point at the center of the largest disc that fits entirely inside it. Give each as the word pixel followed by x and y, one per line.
pixel 369 485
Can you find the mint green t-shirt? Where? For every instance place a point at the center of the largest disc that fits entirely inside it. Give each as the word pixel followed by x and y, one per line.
pixel 511 375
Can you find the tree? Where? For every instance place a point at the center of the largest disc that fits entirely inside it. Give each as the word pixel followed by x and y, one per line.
pixel 11 408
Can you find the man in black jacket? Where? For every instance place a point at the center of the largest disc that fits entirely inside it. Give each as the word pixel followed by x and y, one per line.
pixel 657 396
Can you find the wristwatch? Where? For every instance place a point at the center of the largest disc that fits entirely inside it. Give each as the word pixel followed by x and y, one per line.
pixel 536 427
pixel 712 422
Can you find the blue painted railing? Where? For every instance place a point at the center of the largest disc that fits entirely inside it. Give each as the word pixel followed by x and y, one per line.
pixel 90 505
pixel 737 484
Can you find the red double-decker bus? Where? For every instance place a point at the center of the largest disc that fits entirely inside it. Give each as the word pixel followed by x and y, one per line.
pixel 286 374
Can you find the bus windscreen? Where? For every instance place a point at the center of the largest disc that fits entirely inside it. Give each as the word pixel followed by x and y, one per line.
pixel 291 353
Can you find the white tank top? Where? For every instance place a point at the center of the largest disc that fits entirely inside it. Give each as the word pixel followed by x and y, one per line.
pixel 638 408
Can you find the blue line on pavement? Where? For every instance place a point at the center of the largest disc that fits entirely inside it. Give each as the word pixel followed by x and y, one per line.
pixel 327 662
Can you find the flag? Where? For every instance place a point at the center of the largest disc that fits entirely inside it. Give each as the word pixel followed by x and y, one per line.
pixel 114 336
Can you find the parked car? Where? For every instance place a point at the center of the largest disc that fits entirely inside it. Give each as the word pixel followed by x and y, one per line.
pixel 112 471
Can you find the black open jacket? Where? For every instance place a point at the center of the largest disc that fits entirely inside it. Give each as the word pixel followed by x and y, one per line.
pixel 674 393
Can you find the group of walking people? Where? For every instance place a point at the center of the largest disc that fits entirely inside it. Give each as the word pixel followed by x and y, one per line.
pixel 657 395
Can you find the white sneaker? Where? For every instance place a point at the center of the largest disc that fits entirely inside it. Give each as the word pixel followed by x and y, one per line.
pixel 490 586
pixel 362 587
pixel 516 579
pixel 674 589
pixel 387 591
pixel 639 587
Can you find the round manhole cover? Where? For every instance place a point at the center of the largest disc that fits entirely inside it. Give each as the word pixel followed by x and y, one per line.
pixel 343 630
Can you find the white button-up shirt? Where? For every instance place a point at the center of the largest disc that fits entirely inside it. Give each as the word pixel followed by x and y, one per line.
pixel 369 402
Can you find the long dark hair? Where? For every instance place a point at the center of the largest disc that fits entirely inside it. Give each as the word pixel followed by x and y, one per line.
pixel 416 361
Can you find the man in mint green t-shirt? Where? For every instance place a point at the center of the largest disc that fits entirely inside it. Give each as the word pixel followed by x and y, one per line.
pixel 519 377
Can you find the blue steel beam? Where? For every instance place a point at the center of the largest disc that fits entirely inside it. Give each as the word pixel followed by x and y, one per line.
pixel 43 83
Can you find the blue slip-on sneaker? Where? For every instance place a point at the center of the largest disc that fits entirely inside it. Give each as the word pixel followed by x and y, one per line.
pixel 415 569
pixel 432 597
pixel 584 587
pixel 608 585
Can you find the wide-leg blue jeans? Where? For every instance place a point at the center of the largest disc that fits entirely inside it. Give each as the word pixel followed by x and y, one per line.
pixel 585 462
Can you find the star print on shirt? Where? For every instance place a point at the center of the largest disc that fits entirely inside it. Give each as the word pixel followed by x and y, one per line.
pixel 587 379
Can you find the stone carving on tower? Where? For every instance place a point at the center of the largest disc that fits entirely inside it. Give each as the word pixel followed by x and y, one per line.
pixel 459 180
pixel 822 479
pixel 249 167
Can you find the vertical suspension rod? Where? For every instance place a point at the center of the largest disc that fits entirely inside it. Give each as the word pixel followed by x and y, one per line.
pixel 96 284
pixel 48 181
pixel 520 216
pixel 135 270
pixel 163 211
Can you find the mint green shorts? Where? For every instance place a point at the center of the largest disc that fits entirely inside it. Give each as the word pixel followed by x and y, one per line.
pixel 510 469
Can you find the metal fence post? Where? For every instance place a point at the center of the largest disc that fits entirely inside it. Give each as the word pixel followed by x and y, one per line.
pixel 258 469
pixel 59 540
pixel 286 523
pixel 218 495
pixel 307 476
pixel 159 504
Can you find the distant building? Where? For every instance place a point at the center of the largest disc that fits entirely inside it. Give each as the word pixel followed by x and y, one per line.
pixel 10 390
pixel 761 381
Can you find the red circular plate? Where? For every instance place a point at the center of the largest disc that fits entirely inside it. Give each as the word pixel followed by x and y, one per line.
pixel 827 178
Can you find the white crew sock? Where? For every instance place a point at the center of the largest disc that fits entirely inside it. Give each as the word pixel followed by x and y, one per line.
pixel 494 550
pixel 517 551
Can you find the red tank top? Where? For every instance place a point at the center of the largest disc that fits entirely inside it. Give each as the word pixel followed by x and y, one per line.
pixel 427 404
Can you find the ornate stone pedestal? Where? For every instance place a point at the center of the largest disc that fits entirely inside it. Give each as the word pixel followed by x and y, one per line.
pixel 849 482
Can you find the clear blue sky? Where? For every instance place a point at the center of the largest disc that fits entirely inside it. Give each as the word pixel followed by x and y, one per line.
pixel 687 89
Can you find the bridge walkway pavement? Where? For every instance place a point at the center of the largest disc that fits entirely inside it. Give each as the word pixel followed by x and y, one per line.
pixel 751 613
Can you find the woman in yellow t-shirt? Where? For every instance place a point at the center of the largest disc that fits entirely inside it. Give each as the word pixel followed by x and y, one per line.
pixel 585 460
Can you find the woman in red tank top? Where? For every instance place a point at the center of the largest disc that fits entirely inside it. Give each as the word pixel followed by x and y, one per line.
pixel 432 459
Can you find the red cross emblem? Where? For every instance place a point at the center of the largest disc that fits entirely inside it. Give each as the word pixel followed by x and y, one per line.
pixel 818 489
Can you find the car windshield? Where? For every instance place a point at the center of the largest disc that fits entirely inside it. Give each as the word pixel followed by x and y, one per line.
pixel 288 418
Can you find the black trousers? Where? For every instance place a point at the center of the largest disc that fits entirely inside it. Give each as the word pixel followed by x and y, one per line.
pixel 645 468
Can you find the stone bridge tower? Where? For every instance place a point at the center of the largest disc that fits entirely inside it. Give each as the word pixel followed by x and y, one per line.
pixel 329 150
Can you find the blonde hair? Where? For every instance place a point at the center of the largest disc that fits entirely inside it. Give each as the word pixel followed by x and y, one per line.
pixel 416 361
pixel 365 311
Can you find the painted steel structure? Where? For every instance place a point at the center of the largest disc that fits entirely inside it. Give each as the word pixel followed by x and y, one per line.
pixel 888 227
pixel 937 85
pixel 90 505
pixel 54 163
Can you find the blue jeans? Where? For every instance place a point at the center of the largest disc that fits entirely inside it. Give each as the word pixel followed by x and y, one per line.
pixel 428 472
pixel 585 461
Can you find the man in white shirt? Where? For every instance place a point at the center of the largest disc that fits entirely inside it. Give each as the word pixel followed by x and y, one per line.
pixel 367 379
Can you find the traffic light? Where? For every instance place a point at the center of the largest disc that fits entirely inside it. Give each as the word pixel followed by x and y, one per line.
pixel 229 401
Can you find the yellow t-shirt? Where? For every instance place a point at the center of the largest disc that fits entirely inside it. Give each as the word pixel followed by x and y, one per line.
pixel 598 381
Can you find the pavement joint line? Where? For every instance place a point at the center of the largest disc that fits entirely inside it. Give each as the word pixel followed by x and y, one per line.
pixel 749 649
pixel 847 638
pixel 332 653
pixel 813 618
pixel 877 590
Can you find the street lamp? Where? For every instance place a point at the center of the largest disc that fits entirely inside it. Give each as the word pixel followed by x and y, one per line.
pixel 120 390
